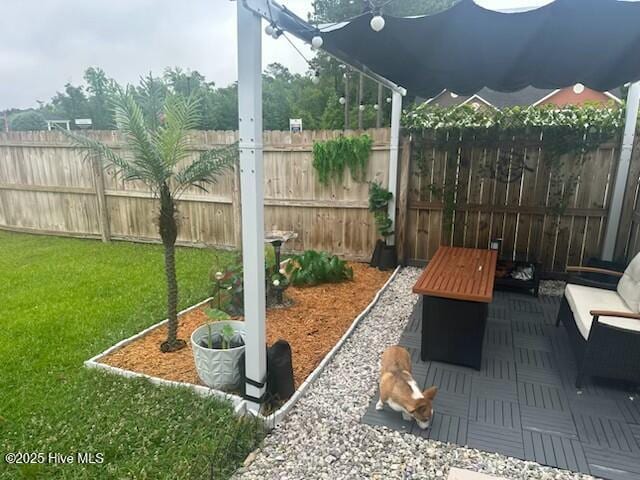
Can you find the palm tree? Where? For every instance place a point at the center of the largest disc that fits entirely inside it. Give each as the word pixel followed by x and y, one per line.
pixel 159 149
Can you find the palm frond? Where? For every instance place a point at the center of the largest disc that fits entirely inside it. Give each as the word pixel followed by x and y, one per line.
pixel 172 137
pixel 95 148
pixel 206 169
pixel 130 121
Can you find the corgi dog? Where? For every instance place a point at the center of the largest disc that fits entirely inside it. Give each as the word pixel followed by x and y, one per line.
pixel 400 391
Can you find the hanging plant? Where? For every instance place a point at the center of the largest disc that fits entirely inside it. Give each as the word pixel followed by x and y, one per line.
pixel 332 157
pixel 379 198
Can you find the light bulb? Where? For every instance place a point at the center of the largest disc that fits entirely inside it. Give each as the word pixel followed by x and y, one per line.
pixel 377 23
pixel 316 41
pixel 342 100
pixel 268 29
pixel 316 78
pixel 361 108
pixel 388 99
pixel 376 107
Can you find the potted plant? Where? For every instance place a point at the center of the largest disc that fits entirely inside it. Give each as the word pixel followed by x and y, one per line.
pixel 384 256
pixel 218 348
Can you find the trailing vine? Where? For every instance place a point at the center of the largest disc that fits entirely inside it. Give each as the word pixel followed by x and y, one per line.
pixel 332 157
pixel 379 198
pixel 561 133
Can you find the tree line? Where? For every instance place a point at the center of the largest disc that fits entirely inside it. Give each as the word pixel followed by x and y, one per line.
pixel 339 98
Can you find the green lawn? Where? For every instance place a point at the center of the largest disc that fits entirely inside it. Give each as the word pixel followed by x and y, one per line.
pixel 61 302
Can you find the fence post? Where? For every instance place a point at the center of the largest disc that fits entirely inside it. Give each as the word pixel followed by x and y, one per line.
pixel 103 214
pixel 626 215
pixel 403 194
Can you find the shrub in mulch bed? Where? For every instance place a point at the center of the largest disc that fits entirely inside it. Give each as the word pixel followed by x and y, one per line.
pixel 313 324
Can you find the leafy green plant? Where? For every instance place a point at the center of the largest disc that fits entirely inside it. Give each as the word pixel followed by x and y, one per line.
pixel 331 157
pixel 379 198
pixel 313 268
pixel 227 334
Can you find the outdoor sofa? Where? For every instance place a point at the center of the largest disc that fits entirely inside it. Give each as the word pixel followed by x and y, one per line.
pixel 602 320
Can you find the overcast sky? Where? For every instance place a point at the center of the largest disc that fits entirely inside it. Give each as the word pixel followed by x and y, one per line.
pixel 47 43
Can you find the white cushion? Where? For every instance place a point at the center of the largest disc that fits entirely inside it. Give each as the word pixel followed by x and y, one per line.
pixel 584 299
pixel 629 285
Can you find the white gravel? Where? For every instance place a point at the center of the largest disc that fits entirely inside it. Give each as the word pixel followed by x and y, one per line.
pixel 323 438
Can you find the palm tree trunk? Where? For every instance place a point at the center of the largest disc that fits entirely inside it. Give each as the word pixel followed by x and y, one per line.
pixel 169 232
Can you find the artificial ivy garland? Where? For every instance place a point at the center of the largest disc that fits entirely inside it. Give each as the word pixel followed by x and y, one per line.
pixel 331 157
pixel 569 130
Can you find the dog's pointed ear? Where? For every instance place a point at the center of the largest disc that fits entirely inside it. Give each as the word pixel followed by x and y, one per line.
pixel 430 392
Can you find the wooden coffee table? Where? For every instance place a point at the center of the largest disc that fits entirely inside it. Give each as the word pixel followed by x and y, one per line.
pixel 456 289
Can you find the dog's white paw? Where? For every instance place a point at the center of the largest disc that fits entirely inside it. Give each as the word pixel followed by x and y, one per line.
pixel 379 405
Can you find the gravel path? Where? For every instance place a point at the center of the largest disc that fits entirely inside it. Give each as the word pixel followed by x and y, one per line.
pixel 323 438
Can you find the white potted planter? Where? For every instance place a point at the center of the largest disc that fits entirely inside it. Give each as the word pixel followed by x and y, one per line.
pixel 217 368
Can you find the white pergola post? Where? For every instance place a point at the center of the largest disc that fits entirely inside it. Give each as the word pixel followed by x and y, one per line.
pixel 396 113
pixel 617 197
pixel 252 199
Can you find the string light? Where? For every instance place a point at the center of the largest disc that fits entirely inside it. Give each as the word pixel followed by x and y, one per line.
pixel 388 99
pixel 316 42
pixel 316 77
pixel 377 22
pixel 376 106
pixel 342 100
pixel 361 107
pixel 269 29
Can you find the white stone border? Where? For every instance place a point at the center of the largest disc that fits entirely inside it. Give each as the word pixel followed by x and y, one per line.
pixel 238 402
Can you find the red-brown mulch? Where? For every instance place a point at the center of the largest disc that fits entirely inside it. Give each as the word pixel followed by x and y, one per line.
pixel 314 323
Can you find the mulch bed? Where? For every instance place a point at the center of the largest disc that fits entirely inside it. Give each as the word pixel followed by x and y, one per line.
pixel 314 323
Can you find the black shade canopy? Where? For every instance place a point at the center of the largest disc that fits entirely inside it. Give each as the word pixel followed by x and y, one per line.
pixel 466 48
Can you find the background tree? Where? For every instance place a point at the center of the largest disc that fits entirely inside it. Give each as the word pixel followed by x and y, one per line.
pixel 27 121
pixel 72 103
pixel 101 90
pixel 160 151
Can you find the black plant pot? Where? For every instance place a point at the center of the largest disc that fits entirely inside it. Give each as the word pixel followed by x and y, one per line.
pixel 385 257
pixel 388 258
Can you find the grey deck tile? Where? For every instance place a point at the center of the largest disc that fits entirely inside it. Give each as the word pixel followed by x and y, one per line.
pixel 490 388
pixel 552 422
pixel 449 378
pixel 603 432
pixel 555 451
pixel 444 428
pixel 543 396
pixel 492 438
pixel 534 342
pixel 495 411
pixel 611 464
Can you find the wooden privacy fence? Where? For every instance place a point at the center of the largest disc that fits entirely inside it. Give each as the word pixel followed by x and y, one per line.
pixel 47 187
pixel 519 212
